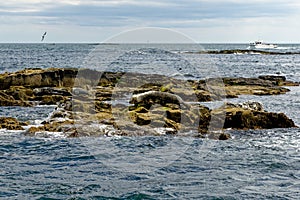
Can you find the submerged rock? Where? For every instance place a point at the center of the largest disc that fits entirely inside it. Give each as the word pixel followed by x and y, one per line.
pixel 224 136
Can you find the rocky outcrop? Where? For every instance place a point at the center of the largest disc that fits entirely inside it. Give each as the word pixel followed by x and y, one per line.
pixel 251 115
pixel 246 119
pixel 8 100
pixel 11 123
pixel 51 86
pixel 158 105
pixel 233 87
pixel 248 115
pixel 157 119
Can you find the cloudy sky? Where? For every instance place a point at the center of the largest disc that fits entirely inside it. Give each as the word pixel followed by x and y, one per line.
pixel 202 20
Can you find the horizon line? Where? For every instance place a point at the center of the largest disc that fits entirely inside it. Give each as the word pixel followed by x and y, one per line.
pixel 118 43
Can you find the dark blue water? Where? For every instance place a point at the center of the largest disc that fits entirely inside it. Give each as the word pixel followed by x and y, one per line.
pixel 260 164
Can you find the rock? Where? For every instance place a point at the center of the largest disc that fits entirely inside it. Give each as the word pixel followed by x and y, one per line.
pixel 7 100
pixel 32 84
pixel 20 93
pixel 59 126
pixel 265 85
pixel 33 130
pixel 51 99
pixel 278 80
pixel 248 81
pixel 232 87
pixel 141 110
pixel 103 93
pixel 11 123
pixel 255 90
pixel 239 118
pixel 196 117
pixel 224 136
pixel 172 124
pixel 203 96
pixel 275 79
pixel 142 119
pixel 174 115
pixel 248 115
pixel 33 78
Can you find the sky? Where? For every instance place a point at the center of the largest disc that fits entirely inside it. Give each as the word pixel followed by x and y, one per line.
pixel 204 21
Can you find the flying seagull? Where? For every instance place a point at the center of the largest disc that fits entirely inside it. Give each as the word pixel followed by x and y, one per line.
pixel 43 36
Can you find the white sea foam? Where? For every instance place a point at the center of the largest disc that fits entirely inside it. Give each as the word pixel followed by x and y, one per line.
pixel 284 48
pixel 37 122
pixel 46 106
pixel 5 132
pixel 50 135
pixel 162 131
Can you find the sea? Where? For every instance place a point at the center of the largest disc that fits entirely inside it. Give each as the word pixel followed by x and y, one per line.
pixel 253 164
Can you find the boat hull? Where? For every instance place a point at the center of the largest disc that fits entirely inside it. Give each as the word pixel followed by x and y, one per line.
pixel 261 45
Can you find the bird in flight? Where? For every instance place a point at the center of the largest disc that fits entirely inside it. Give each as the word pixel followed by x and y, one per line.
pixel 43 36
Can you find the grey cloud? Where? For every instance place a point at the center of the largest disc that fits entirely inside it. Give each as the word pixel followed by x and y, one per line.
pixel 128 13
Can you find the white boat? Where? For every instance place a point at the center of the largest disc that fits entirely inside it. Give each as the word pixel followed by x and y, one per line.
pixel 262 45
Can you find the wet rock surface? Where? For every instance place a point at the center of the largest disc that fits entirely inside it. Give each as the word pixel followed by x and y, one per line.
pixel 251 115
pixel 91 103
